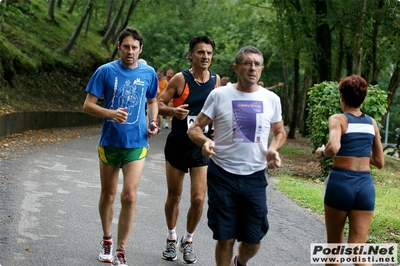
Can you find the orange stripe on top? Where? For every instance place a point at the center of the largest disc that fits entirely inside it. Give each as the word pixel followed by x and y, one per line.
pixel 181 99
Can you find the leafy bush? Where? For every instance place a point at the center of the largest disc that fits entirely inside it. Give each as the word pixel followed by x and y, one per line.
pixel 324 101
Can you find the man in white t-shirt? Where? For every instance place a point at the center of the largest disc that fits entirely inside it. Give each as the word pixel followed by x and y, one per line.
pixel 243 114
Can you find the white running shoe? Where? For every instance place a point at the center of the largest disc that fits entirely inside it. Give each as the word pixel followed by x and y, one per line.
pixel 119 259
pixel 106 250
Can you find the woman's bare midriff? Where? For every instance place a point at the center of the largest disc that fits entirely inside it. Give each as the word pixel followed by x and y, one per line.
pixel 352 163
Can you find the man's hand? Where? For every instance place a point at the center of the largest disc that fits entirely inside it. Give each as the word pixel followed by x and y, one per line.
pixel 120 115
pixel 208 148
pixel 319 153
pixel 273 159
pixel 153 129
pixel 180 112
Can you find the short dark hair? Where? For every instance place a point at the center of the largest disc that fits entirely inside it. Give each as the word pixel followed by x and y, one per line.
pixel 129 31
pixel 354 90
pixel 246 50
pixel 199 39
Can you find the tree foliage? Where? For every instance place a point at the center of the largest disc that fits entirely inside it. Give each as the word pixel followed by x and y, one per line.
pixel 304 42
pixel 16 11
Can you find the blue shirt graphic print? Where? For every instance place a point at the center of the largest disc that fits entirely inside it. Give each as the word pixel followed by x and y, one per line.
pixel 129 95
pixel 247 121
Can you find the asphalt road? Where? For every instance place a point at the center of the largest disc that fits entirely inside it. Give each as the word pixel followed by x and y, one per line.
pixel 49 215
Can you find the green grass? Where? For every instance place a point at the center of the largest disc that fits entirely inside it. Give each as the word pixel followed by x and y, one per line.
pixel 305 192
pixel 286 149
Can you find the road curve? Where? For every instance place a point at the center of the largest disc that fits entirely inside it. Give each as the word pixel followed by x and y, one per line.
pixel 48 212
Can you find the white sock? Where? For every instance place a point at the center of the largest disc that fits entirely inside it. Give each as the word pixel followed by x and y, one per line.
pixel 188 237
pixel 172 234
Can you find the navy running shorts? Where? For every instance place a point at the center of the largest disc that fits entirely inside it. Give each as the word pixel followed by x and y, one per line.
pixel 350 190
pixel 237 205
pixel 182 153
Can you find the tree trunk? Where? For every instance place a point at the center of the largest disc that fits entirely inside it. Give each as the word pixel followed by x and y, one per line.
pixel 341 55
pixel 114 53
pixel 375 68
pixel 349 61
pixel 357 51
pixel 71 8
pixel 307 83
pixel 371 70
pixel 75 35
pixel 324 42
pixel 394 84
pixel 50 12
pixel 286 103
pixel 109 15
pixel 59 3
pixel 295 98
pixel 88 21
pixel 113 25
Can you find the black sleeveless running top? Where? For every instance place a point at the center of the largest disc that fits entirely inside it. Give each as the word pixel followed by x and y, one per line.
pixel 194 94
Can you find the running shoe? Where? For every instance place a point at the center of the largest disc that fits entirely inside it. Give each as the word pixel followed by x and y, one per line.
pixel 119 259
pixel 170 250
pixel 106 250
pixel 234 261
pixel 188 254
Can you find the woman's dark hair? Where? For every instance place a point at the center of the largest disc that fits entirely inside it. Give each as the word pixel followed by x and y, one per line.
pixel 354 90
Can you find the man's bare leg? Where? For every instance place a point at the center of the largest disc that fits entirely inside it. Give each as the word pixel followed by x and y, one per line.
pixel 132 173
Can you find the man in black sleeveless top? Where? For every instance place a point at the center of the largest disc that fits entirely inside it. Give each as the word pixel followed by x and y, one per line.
pixel 188 90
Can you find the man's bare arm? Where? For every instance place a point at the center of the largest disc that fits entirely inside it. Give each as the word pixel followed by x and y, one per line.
pixel 91 107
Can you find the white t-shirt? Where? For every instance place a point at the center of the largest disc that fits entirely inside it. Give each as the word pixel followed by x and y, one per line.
pixel 242 123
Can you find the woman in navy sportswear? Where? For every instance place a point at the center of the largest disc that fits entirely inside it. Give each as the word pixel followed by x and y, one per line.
pixel 355 144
